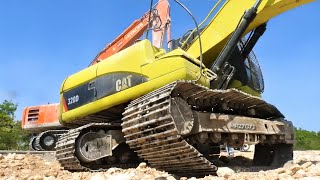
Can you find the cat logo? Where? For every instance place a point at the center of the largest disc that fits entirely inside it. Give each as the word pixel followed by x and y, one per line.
pixel 123 83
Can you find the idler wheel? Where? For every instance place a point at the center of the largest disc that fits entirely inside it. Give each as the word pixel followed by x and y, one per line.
pixel 48 142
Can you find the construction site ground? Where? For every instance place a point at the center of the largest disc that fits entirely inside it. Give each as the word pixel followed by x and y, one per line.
pixel 306 165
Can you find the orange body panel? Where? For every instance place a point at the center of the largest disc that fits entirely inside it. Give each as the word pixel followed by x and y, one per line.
pixel 39 118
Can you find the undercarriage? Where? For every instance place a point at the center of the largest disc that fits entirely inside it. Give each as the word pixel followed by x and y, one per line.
pixel 95 146
pixel 179 128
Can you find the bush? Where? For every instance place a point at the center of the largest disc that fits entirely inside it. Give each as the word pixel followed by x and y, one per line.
pixel 307 140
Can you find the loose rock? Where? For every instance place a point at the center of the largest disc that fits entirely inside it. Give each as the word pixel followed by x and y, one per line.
pixel 10 156
pixel 224 172
pixel 306 165
pixel 119 177
pixel 284 177
pixel 113 170
pixel 280 170
pixel 293 169
pixel 49 178
pixel 98 177
pixel 299 174
pixel 142 165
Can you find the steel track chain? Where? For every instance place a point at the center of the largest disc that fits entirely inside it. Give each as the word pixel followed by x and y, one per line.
pixel 65 152
pixel 150 129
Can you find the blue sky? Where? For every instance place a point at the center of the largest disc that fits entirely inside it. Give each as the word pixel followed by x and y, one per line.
pixel 42 42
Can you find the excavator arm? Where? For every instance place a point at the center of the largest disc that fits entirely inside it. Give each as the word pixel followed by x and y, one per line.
pixel 225 21
pixel 158 17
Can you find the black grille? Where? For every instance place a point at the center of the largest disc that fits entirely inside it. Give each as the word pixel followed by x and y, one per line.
pixel 33 115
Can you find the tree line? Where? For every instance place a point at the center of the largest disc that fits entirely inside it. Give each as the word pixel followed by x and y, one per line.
pixel 12 137
pixel 307 140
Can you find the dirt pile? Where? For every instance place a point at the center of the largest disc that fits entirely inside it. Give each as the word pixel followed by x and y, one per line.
pixel 35 167
pixel 306 165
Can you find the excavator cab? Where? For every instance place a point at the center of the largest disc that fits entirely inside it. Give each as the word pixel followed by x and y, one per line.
pixel 248 76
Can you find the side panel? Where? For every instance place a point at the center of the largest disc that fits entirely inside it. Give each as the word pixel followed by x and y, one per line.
pixel 100 87
pixel 154 76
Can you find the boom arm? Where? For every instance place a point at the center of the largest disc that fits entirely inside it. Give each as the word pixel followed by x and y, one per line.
pixel 225 22
pixel 159 17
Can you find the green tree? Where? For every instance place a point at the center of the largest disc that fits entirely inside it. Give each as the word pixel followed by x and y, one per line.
pixel 7 110
pixel 11 135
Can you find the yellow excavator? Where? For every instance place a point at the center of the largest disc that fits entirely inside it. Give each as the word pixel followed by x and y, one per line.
pixel 173 109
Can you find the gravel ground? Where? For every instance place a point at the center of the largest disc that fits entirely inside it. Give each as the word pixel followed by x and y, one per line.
pixel 306 165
